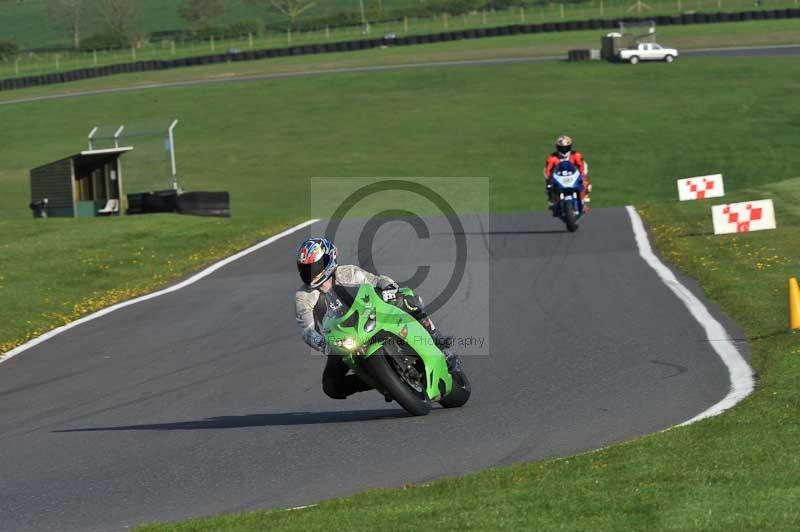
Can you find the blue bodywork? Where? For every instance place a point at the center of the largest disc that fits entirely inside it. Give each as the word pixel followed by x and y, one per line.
pixel 567 183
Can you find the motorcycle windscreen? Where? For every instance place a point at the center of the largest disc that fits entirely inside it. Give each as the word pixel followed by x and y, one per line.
pixel 567 175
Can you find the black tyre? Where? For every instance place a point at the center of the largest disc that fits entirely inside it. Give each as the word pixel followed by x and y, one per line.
pixel 459 395
pixel 382 368
pixel 570 217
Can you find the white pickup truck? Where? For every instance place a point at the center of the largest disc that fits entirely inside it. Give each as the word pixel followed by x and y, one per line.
pixel 648 51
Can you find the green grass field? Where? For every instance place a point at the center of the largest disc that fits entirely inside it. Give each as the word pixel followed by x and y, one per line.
pixel 641 128
pixel 26 24
pixel 774 32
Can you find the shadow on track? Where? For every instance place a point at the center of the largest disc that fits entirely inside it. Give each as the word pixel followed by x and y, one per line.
pixel 260 420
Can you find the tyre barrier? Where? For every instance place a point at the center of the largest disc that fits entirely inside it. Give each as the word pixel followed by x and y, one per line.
pixel 579 55
pixel 152 202
pixel 204 204
pixel 346 46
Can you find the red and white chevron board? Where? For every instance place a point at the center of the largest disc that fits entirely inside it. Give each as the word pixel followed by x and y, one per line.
pixel 702 187
pixel 743 217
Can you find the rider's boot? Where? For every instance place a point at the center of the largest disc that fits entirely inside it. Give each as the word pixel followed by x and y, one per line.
pixel 586 199
pixel 551 204
pixel 416 308
pixel 444 343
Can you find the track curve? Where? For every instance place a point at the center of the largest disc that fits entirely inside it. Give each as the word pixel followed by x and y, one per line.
pixel 205 400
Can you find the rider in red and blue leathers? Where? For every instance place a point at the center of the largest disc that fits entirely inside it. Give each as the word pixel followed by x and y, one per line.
pixel 564 152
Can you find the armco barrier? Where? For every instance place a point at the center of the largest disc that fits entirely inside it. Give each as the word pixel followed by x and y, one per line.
pixel 362 44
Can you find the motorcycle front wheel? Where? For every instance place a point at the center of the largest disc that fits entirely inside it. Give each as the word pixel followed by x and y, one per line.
pixel 382 368
pixel 570 217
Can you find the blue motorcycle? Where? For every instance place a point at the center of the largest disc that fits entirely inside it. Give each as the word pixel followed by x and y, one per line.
pixel 565 190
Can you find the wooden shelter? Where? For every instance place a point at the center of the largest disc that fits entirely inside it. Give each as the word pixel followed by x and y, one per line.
pixel 88 183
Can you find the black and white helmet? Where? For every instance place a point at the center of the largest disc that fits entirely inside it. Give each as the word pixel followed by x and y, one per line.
pixel 564 145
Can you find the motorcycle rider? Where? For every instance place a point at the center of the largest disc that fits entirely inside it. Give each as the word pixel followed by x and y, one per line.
pixel 564 152
pixel 325 284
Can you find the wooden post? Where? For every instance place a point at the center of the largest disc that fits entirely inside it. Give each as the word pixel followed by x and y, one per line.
pixel 445 16
pixel 123 198
pixel 133 52
pixel 719 4
pixel 172 46
pixel 405 24
pixel 213 46
pixel 602 9
pixel 94 57
pixel 328 33
pixel 680 8
pixel 483 20
pixel 562 10
pixel 250 40
pixel 522 14
pixel 58 62
pixel 16 67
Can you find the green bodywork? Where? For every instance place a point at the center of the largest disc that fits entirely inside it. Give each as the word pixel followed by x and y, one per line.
pixel 351 337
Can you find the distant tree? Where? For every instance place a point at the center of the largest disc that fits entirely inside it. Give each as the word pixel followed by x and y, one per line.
pixel 8 50
pixel 291 9
pixel 120 18
pixel 69 15
pixel 203 12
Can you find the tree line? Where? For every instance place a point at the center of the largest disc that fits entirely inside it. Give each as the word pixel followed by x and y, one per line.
pixel 106 24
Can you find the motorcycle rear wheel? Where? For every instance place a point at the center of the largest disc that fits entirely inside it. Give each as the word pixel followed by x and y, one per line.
pixel 383 371
pixel 461 392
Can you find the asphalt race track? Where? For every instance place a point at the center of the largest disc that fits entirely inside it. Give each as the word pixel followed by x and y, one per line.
pixel 205 400
pixel 746 51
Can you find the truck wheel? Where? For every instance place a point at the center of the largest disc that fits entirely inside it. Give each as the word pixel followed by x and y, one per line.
pixel 669 59
pixel 634 59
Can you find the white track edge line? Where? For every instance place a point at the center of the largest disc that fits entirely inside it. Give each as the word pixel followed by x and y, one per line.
pixel 174 288
pixel 741 374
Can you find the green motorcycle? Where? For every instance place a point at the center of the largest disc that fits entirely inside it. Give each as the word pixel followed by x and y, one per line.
pixel 392 352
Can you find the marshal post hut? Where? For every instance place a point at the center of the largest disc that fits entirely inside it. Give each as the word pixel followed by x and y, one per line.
pixel 88 183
